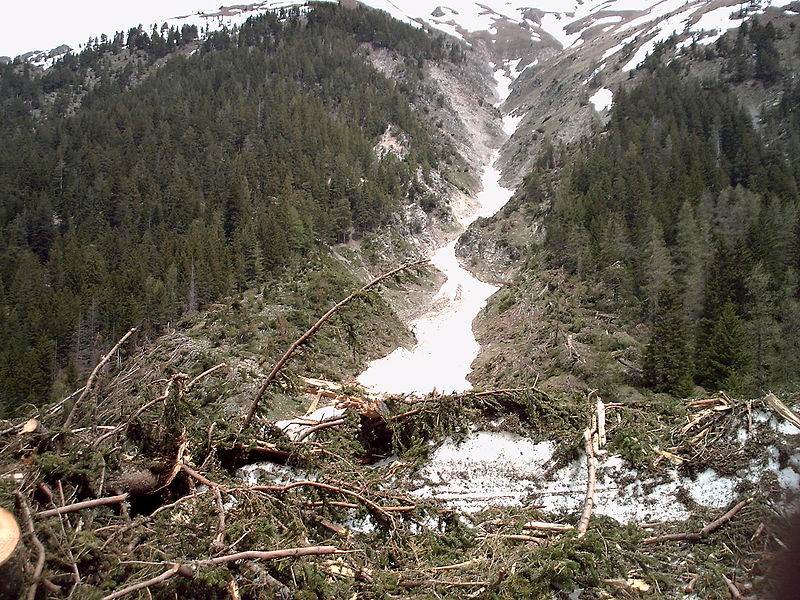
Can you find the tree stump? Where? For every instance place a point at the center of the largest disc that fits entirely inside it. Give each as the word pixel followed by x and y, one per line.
pixel 11 572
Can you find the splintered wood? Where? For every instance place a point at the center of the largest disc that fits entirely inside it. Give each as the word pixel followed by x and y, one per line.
pixel 781 409
pixel 594 439
pixel 302 427
pixel 366 406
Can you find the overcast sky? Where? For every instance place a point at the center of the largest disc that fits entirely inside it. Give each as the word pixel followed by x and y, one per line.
pixel 45 24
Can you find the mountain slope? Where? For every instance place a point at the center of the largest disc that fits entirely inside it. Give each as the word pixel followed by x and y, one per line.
pixel 155 174
pixel 692 184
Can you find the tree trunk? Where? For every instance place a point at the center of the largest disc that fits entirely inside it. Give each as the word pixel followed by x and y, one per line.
pixel 11 557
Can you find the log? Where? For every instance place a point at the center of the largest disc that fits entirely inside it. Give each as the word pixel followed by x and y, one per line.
pixel 32 426
pixel 781 409
pixel 12 574
pixel 590 442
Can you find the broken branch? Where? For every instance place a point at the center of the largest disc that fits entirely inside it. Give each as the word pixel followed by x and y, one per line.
pixel 314 428
pixel 379 511
pixel 696 535
pixel 82 505
pixel 187 570
pixel 176 569
pixel 93 376
pixel 269 555
pixel 311 331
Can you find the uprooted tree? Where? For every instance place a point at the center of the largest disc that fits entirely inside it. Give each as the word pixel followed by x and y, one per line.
pixel 139 493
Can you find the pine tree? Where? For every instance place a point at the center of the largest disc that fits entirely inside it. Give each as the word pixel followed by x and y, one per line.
pixel 691 256
pixel 761 322
pixel 726 357
pixel 667 364
pixel 657 266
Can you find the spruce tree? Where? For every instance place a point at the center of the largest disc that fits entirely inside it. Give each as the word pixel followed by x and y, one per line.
pixel 667 363
pixel 657 266
pixel 726 355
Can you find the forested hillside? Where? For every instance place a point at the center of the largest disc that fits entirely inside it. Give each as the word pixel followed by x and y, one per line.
pixel 155 173
pixel 681 213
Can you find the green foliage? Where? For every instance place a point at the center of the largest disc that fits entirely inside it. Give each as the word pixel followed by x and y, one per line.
pixel 667 363
pixel 680 190
pixel 726 357
pixel 166 187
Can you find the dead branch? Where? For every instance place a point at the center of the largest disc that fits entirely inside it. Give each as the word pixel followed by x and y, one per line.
pixel 408 413
pixel 82 505
pixel 573 351
pixel 176 569
pixel 590 443
pixel 219 539
pixel 269 555
pixel 22 501
pixel 314 428
pixel 501 391
pixel 781 409
pixel 697 535
pixel 626 363
pixel 541 526
pixel 312 330
pixel 735 593
pixel 629 585
pixel 205 373
pixel 197 476
pixel 335 503
pixel 461 565
pixel 331 526
pixel 410 583
pixel 520 537
pixel 281 591
pixel 379 511
pixel 93 376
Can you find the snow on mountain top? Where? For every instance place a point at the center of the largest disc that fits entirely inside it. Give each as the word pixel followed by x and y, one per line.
pixel 53 22
pixel 22 28
pixel 566 21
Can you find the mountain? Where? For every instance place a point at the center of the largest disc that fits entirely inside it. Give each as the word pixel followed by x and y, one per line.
pixel 222 186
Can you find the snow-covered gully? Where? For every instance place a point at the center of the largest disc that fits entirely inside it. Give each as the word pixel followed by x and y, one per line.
pixel 446 345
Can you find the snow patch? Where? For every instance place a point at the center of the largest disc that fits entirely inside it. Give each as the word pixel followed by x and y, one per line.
pixel 709 489
pixel 495 469
pixel 73 23
pixel 602 99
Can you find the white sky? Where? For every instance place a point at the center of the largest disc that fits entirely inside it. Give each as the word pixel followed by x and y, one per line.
pixel 45 24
